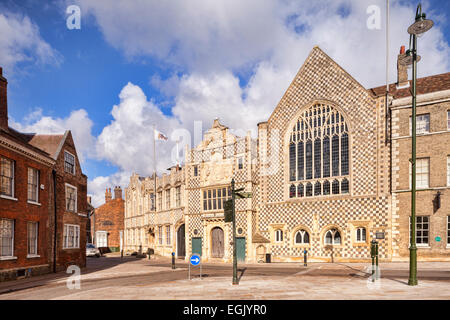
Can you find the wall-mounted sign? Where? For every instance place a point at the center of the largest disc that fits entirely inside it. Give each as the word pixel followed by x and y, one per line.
pixel 438 239
pixel 379 235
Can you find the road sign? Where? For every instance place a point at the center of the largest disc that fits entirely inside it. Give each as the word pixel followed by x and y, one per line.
pixel 228 210
pixel 438 239
pixel 243 195
pixel 379 235
pixel 195 260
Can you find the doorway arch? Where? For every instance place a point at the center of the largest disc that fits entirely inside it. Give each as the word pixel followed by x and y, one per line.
pixel 217 243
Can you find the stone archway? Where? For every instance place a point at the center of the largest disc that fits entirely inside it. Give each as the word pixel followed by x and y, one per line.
pixel 217 243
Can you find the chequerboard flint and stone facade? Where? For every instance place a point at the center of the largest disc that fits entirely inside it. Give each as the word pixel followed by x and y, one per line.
pixel 327 175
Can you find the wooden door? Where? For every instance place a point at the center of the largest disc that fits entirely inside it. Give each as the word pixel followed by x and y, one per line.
pixel 217 243
pixel 181 244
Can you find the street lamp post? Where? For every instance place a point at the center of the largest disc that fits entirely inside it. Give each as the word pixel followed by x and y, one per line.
pixel 233 199
pixel 420 26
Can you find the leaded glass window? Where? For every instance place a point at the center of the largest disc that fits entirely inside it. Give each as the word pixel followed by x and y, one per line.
pixel 300 192
pixel 319 150
pixel 301 237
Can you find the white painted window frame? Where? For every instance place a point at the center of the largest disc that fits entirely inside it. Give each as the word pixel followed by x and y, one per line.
pixel 34 170
pixel 36 227
pixel 74 162
pixel 278 235
pixel 359 232
pixel 76 197
pixel 13 180
pixel 11 257
pixel 66 236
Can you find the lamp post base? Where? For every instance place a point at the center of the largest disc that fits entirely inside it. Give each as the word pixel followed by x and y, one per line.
pixel 412 281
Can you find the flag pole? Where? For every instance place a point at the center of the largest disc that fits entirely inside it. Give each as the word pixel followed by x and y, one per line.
pixel 154 160
pixel 178 161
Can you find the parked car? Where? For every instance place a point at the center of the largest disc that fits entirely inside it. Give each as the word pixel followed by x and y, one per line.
pixel 91 250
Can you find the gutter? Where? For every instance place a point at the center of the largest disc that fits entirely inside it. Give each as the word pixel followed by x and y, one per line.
pixel 55 221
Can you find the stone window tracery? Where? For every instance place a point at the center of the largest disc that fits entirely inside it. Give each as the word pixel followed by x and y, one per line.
pixel 319 157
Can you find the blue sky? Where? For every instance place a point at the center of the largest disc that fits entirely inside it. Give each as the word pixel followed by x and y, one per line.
pixel 175 64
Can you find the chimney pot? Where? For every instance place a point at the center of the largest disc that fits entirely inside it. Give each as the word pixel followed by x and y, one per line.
pixel 117 192
pixel 3 101
pixel 402 71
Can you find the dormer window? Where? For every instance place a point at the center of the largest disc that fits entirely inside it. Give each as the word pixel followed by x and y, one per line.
pixel 69 162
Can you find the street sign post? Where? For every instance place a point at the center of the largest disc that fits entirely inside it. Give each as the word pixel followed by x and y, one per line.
pixel 195 260
pixel 230 216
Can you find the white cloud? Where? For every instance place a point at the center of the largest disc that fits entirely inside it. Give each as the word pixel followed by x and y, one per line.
pixel 20 41
pixel 98 185
pixel 78 122
pixel 128 141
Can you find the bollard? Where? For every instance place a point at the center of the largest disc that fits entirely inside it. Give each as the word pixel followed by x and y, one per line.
pixel 305 258
pixel 372 255
pixel 377 272
pixel 121 255
pixel 173 260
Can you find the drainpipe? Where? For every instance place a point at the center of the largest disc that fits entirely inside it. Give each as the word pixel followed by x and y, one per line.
pixel 55 221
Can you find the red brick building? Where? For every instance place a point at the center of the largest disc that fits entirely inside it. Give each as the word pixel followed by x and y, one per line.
pixel 40 182
pixel 25 187
pixel 70 199
pixel 108 221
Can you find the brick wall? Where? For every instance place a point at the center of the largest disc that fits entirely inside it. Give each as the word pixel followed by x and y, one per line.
pixel 436 147
pixel 109 217
pixel 75 256
pixel 21 212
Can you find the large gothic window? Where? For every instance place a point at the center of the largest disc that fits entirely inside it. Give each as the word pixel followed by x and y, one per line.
pixel 319 156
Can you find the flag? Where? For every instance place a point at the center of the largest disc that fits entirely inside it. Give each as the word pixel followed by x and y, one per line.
pixel 160 136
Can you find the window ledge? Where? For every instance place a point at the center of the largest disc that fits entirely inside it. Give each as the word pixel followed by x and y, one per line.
pixel 33 202
pixel 8 197
pixel 8 258
pixel 71 248
pixel 30 256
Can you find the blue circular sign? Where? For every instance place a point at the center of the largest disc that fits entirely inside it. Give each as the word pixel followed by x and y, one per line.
pixel 195 259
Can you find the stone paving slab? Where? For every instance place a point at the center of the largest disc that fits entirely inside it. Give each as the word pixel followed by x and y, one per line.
pixel 299 287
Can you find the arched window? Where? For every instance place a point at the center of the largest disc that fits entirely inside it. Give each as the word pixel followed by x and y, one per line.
pixel 319 153
pixel 278 235
pixel 318 188
pixel 300 192
pixel 333 236
pixel 326 188
pixel 335 187
pixel 344 186
pixel 361 234
pixel 292 162
pixel 301 237
pixel 292 191
pixel 309 189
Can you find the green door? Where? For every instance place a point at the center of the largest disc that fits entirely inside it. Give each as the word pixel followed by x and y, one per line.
pixel 240 249
pixel 197 246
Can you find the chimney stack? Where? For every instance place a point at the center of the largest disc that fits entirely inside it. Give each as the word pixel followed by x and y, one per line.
pixel 402 71
pixel 108 195
pixel 117 192
pixel 3 102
